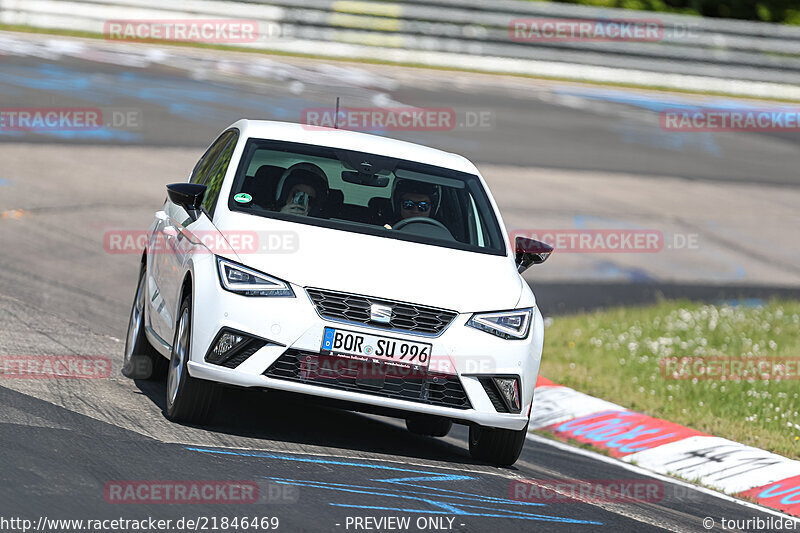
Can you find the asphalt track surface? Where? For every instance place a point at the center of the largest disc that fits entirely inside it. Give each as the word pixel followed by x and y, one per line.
pixel 601 158
pixel 62 441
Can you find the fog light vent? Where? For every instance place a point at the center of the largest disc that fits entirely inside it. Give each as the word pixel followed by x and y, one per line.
pixel 503 392
pixel 509 390
pixel 231 348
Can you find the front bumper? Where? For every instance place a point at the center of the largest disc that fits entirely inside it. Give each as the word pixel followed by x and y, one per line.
pixel 292 324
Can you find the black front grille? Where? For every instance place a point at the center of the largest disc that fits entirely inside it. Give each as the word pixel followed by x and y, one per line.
pixel 370 377
pixel 406 317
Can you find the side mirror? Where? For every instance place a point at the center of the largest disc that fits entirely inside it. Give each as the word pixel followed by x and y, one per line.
pixel 187 195
pixel 530 252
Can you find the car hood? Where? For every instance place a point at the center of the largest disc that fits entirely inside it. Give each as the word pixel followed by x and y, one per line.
pixel 325 258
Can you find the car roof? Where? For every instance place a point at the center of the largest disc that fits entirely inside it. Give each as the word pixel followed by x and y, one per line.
pixel 351 140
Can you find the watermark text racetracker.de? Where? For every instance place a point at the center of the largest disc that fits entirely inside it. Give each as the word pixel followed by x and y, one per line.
pixel 199 242
pixel 55 366
pixel 730 119
pixel 608 240
pixel 181 492
pixel 397 118
pixel 324 367
pixel 555 29
pixel 211 31
pixel 59 119
pixel 601 30
pixel 594 490
pixel 723 368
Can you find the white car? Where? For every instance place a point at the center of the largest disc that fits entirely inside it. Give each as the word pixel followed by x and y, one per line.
pixel 367 272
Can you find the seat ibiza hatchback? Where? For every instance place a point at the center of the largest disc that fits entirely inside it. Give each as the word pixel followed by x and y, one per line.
pixel 369 273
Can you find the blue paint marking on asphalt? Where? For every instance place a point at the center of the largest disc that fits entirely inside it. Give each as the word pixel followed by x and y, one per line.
pixel 4 182
pixel 743 302
pixel 267 455
pixel 611 270
pixel 103 134
pixel 430 491
pixel 391 492
pixel 191 99
pixel 106 134
pixel 652 102
pixel 643 101
pixel 11 133
pixel 431 496
pixel 200 100
pixel 739 272
pixel 650 135
pixel 458 508
pixel 50 78
pixel 658 102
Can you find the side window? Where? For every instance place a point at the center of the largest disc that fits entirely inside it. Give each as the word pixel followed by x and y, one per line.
pixel 201 169
pixel 217 174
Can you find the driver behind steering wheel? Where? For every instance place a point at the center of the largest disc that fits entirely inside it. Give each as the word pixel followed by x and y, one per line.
pixel 414 199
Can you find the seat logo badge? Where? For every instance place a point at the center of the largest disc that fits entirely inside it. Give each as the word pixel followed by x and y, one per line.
pixel 380 313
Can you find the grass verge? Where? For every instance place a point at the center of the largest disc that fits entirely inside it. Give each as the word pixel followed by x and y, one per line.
pixel 617 355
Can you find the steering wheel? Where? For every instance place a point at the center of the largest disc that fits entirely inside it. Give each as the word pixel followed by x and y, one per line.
pixel 405 222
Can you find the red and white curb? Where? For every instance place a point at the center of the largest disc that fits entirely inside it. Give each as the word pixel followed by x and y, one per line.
pixel 667 448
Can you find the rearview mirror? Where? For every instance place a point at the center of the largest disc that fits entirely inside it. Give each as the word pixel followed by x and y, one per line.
pixel 361 178
pixel 187 195
pixel 530 252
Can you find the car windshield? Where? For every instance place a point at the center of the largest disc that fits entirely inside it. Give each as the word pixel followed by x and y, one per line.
pixel 365 193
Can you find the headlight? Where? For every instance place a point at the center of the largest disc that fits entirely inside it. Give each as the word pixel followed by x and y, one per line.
pixel 505 324
pixel 248 282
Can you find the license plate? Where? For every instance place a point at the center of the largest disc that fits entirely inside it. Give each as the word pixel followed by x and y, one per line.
pixel 344 342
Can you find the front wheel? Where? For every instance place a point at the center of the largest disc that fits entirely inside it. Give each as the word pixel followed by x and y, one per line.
pixel 189 400
pixel 495 445
pixel 141 360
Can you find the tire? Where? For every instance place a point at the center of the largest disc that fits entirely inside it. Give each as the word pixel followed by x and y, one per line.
pixel 189 400
pixel 140 360
pixel 430 426
pixel 495 445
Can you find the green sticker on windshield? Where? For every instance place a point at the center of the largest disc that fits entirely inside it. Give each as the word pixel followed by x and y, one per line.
pixel 243 198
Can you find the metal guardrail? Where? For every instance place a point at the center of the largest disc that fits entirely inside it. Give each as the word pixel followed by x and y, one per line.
pixel 475 33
